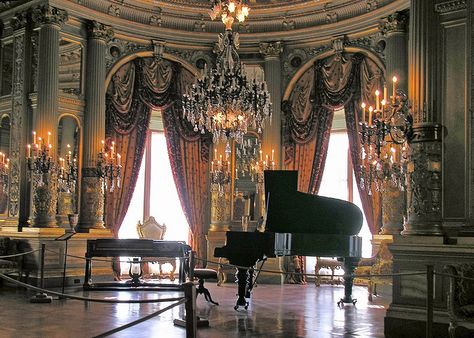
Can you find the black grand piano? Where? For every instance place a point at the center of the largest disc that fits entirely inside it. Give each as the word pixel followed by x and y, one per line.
pixel 296 224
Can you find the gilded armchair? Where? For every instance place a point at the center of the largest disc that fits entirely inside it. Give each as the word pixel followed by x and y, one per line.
pixel 151 229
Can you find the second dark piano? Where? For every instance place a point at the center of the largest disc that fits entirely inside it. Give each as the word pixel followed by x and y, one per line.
pixel 296 224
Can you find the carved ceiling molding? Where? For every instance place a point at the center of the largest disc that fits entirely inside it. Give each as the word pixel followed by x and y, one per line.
pixel 450 6
pixel 269 17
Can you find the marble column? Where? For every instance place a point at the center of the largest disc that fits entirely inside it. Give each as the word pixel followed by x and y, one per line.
pixel 424 183
pixel 92 195
pixel 49 19
pixel 272 133
pixel 394 29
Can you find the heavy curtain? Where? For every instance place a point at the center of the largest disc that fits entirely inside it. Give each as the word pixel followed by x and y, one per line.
pixel 137 88
pixel 341 80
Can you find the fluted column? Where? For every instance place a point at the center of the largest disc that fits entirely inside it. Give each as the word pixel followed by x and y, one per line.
pixel 272 133
pixel 92 196
pixel 45 195
pixel 424 183
pixel 394 29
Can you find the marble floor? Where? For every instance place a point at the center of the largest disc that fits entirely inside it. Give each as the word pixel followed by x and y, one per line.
pixel 275 311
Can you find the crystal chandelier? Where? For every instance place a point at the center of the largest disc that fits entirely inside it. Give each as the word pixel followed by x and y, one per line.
pixel 220 176
pixel 384 140
pixel 223 101
pixel 229 11
pixel 109 166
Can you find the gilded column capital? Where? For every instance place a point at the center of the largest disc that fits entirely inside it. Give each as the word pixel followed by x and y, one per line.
pixel 18 21
pixel 271 49
pixel 396 22
pixel 45 14
pixel 97 30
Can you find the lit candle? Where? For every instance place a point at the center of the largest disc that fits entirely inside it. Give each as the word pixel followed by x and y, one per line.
pixel 385 93
pixel 377 101
pixel 212 166
pixel 363 111
pixel 266 160
pixel 383 106
pixel 215 154
pixel 394 93
pixel 112 149
pixel 273 154
pixel 273 165
pixel 49 137
pixel 371 109
pixel 29 150
pixel 236 173
pixel 261 155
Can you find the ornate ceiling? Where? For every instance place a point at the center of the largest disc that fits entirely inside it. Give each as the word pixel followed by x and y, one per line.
pixel 295 22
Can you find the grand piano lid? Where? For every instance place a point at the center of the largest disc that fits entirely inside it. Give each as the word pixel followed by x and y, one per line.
pixel 291 211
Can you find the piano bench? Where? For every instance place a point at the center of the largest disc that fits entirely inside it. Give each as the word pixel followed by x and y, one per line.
pixel 202 274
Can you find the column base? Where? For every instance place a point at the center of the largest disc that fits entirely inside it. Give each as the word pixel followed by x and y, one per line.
pixel 423 229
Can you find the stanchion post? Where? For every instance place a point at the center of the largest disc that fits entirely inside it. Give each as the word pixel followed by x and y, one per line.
pixel 192 265
pixel 190 306
pixel 41 297
pixel 429 300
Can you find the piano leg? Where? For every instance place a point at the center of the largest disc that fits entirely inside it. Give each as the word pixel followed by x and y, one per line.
pixel 242 280
pixel 349 267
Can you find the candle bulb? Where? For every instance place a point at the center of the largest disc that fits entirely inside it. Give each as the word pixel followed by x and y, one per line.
pixel 394 93
pixel 377 101
pixel 49 137
pixel 212 166
pixel 273 154
pixel 266 160
pixel 29 150
pixel 261 155
pixel 385 93
pixel 215 154
pixel 371 109
pixel 363 105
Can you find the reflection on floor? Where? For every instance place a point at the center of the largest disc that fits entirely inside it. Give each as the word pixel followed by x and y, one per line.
pixel 275 311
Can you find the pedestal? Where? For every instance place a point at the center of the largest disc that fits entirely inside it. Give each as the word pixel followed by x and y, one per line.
pixel 424 183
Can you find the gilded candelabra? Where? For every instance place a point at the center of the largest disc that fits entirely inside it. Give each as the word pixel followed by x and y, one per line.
pixel 384 140
pixel 67 172
pixel 109 166
pixel 220 176
pixel 259 167
pixel 39 158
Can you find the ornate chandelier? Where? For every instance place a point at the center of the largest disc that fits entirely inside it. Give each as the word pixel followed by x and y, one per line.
pixel 220 176
pixel 384 140
pixel 223 101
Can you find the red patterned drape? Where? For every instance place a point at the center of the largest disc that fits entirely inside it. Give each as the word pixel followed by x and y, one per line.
pixel 306 134
pixel 189 157
pixel 137 88
pixel 337 81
